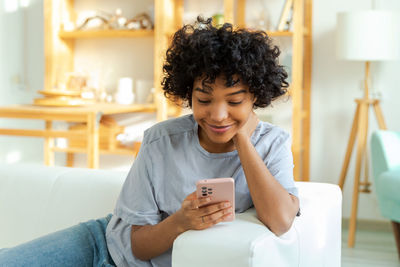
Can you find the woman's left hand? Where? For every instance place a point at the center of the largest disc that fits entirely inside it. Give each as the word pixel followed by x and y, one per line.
pixel 247 129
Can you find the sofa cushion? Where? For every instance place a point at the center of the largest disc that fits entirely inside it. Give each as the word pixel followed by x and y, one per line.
pixel 36 200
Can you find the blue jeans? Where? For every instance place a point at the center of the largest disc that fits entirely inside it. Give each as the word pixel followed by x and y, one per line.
pixel 80 245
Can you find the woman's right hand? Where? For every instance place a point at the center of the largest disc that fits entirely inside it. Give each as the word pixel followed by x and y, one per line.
pixel 197 214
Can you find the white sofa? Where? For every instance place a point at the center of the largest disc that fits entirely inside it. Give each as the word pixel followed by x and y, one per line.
pixel 36 200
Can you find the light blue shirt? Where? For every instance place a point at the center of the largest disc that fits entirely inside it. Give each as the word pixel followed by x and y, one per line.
pixel 168 165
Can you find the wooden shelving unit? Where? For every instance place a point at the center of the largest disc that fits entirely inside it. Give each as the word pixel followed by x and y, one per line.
pixel 59 60
pixel 60 45
pixel 89 34
pixel 168 17
pixel 300 88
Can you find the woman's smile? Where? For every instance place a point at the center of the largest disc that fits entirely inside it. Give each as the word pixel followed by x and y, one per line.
pixel 219 129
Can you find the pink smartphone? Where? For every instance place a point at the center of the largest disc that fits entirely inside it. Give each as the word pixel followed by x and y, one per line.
pixel 218 189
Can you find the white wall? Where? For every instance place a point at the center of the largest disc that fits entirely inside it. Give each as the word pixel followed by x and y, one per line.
pixel 335 85
pixel 21 72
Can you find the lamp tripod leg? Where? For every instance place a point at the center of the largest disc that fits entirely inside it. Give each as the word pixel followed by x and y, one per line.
pixel 364 185
pixel 379 116
pixel 362 138
pixel 350 146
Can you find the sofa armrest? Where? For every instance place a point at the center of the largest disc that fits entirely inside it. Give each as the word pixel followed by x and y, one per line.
pixel 243 242
pixel 313 240
pixel 385 147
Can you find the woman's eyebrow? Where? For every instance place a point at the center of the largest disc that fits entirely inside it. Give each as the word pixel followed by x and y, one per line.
pixel 237 92
pixel 203 90
pixel 209 92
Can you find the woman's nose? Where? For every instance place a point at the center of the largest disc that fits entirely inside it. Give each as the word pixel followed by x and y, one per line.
pixel 218 112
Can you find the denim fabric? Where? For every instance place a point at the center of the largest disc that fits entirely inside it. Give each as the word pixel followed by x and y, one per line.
pixel 80 245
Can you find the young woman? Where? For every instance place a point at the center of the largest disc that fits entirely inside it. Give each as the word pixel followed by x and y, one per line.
pixel 222 74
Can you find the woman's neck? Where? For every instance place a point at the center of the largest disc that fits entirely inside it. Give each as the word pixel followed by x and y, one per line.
pixel 212 147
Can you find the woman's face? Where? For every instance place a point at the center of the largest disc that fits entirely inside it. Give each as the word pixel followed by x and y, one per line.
pixel 220 112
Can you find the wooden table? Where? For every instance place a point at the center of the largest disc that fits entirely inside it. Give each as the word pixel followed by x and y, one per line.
pixel 90 115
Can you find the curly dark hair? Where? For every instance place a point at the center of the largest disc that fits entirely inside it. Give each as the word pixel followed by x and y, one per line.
pixel 203 50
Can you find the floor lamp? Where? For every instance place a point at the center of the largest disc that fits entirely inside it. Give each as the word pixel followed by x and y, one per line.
pixel 364 36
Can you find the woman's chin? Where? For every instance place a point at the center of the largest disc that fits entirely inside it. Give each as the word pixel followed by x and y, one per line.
pixel 221 139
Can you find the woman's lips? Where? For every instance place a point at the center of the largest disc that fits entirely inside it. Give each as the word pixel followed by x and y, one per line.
pixel 219 129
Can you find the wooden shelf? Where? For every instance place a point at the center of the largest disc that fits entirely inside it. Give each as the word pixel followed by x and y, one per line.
pixel 60 47
pixel 105 34
pixel 270 33
pixel 280 33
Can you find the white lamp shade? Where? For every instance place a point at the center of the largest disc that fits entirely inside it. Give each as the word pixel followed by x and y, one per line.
pixel 371 35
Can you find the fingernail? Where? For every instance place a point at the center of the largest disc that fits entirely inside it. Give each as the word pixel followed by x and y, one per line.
pixel 227 204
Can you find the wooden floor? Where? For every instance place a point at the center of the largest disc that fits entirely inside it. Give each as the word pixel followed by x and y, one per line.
pixel 374 248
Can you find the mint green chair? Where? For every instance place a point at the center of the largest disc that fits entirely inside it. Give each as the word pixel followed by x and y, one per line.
pixel 385 156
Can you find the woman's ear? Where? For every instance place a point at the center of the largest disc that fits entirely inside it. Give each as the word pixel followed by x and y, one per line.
pixel 254 99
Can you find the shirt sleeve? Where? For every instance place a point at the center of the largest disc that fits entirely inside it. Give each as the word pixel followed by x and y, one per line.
pixel 279 162
pixel 118 237
pixel 136 204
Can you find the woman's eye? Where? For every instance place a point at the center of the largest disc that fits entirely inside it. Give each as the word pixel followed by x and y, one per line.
pixel 234 103
pixel 203 101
